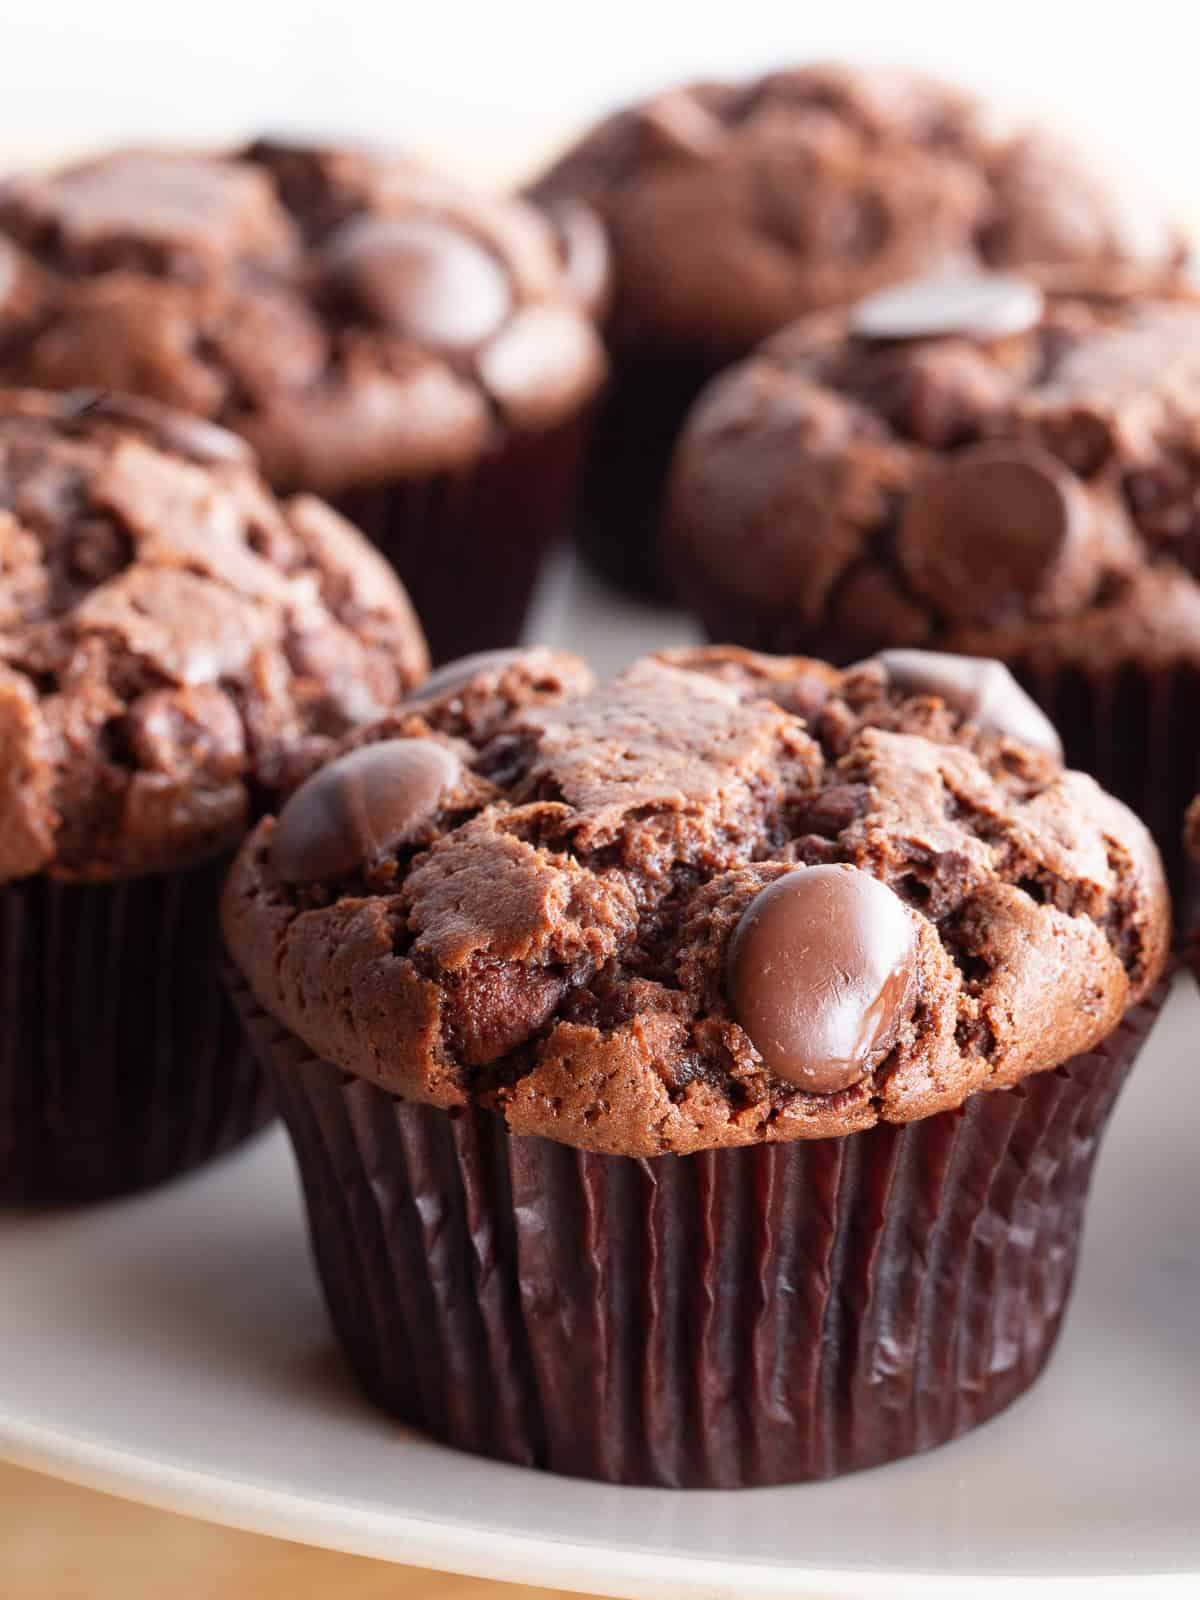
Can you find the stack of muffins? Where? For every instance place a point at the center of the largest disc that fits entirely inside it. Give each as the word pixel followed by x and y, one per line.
pixel 695 1078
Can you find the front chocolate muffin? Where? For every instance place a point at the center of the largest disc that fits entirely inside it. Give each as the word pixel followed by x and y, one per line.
pixel 172 642
pixel 975 465
pixel 735 208
pixel 667 1061
pixel 420 355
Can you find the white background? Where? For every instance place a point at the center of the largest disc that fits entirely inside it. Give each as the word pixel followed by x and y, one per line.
pixel 492 85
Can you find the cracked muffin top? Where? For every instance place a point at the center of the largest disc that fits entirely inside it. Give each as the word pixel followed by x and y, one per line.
pixel 734 208
pixel 353 315
pixel 976 464
pixel 723 899
pixel 171 636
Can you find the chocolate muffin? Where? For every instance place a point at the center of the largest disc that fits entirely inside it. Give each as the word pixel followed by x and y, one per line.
pixel 422 356
pixel 980 467
pixel 696 1079
pixel 735 208
pixel 172 639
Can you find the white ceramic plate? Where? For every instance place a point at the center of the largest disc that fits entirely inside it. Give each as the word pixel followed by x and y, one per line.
pixel 174 1349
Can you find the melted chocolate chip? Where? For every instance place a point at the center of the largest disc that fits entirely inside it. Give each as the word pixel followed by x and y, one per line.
pixel 993 305
pixel 996 530
pixel 421 277
pixel 185 435
pixel 359 807
pixel 8 272
pixel 458 674
pixel 820 969
pixel 584 251
pixel 983 691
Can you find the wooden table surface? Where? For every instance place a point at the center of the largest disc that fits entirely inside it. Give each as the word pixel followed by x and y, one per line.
pixel 62 1543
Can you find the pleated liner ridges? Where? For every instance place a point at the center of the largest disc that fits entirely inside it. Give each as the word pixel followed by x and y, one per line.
pixel 122 1061
pixel 733 1318
pixel 1133 728
pixel 469 546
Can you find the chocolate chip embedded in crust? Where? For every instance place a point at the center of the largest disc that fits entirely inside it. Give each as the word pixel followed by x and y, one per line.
pixel 420 277
pixel 993 305
pixel 457 674
pixel 186 435
pixel 359 807
pixel 983 691
pixel 820 970
pixel 584 251
pixel 997 529
pixel 676 127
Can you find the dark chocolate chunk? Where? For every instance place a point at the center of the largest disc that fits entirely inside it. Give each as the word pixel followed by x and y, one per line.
pixel 359 807
pixel 820 969
pixel 996 530
pixel 993 305
pixel 421 277
pixel 983 691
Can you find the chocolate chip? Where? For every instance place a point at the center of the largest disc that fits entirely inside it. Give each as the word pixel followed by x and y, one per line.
pixel 458 674
pixel 993 305
pixel 583 249
pixel 983 691
pixel 998 529
pixel 177 431
pixel 820 969
pixel 677 128
pixel 8 272
pixel 359 807
pixel 421 277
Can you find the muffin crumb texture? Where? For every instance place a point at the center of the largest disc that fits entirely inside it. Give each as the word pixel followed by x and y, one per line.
pixel 551 920
pixel 172 637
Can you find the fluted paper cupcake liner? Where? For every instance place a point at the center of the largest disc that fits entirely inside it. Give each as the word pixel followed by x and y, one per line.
pixel 469 546
pixel 1134 728
pixel 627 467
pixel 733 1318
pixel 122 1061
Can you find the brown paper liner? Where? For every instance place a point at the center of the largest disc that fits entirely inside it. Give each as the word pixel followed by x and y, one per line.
pixel 1134 728
pixel 734 1318
pixel 469 546
pixel 728 1319
pixel 122 1061
pixel 617 530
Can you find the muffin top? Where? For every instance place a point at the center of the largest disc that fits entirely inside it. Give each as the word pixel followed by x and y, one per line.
pixel 967 463
pixel 723 899
pixel 352 314
pixel 735 208
pixel 171 636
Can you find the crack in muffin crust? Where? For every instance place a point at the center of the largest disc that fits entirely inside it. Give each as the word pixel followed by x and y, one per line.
pixel 550 938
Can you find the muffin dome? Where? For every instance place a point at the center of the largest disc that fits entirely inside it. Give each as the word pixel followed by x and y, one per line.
pixel 353 315
pixel 571 906
pixel 171 636
pixel 734 208
pixel 969 465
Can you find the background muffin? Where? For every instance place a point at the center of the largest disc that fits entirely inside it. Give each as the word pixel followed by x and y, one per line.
pixel 975 467
pixel 734 208
pixel 171 637
pixel 646 1049
pixel 410 350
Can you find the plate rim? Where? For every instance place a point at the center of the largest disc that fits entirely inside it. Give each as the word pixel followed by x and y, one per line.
pixel 578 1566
